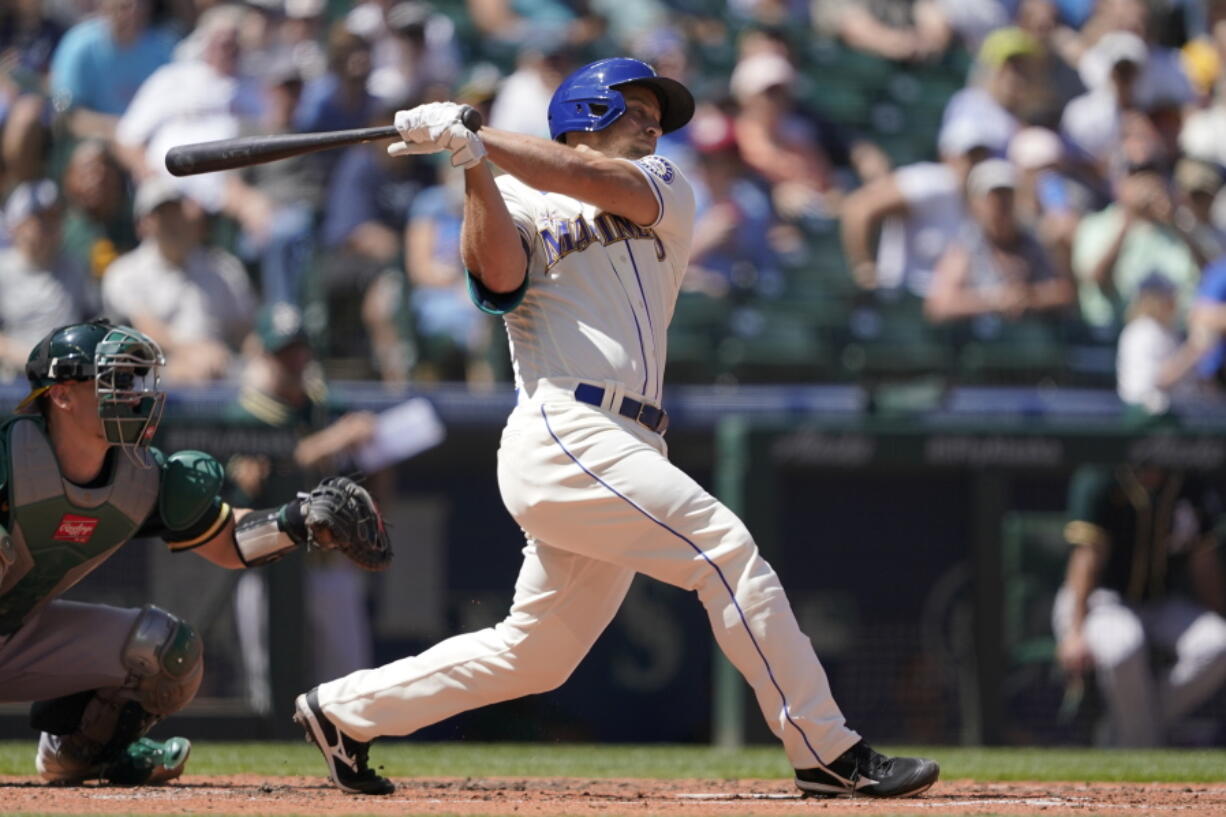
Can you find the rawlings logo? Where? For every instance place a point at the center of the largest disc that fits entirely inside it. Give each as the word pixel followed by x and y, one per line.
pixel 76 529
pixel 658 166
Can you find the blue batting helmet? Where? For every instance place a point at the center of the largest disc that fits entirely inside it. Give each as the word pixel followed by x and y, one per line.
pixel 588 99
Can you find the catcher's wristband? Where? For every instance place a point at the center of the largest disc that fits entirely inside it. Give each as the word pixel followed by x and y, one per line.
pixel 265 536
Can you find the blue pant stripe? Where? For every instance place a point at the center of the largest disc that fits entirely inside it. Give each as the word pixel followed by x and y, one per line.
pixel 731 594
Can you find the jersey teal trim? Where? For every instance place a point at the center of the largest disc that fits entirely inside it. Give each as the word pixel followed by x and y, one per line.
pixel 495 303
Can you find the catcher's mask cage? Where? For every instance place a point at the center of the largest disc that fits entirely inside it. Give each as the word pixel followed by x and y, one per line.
pixel 123 365
pixel 130 403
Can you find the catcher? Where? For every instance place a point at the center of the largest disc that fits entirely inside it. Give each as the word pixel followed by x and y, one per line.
pixel 78 479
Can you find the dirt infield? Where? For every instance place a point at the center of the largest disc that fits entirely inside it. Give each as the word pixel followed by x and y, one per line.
pixel 256 794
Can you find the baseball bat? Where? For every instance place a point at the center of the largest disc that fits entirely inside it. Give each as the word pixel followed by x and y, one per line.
pixel 227 154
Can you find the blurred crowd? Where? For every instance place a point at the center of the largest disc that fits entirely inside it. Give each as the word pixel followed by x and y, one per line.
pixel 1010 190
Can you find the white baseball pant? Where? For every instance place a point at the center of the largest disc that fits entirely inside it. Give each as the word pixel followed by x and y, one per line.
pixel 1143 703
pixel 599 501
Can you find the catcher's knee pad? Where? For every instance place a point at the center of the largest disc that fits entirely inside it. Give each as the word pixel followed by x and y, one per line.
pixel 165 656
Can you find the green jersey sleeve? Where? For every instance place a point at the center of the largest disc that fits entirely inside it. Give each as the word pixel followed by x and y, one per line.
pixel 1088 499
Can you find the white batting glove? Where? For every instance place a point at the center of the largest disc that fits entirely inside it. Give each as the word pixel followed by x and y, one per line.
pixel 467 149
pixel 426 123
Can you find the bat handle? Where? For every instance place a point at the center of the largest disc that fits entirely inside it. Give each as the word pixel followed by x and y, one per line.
pixel 471 117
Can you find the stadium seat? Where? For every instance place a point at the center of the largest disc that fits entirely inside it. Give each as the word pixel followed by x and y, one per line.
pixel 1027 351
pixel 771 342
pixel 891 338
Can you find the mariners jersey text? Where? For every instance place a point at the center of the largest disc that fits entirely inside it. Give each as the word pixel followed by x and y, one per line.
pixel 563 236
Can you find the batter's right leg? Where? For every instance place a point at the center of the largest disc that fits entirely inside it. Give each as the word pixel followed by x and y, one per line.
pixel 563 601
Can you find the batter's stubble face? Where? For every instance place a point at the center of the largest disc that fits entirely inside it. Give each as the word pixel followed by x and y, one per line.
pixel 634 134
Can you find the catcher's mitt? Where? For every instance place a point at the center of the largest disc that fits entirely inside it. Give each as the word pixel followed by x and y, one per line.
pixel 341 516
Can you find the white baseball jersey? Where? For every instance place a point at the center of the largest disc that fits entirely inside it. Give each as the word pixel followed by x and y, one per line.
pixel 601 289
pixel 595 493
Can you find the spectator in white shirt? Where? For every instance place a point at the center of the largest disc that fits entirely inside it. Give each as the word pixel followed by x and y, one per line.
pixel 1153 366
pixel 918 210
pixel 1091 122
pixel 195 301
pixel 40 286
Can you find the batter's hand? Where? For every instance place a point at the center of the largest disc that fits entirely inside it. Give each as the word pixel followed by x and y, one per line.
pixel 467 149
pixel 426 123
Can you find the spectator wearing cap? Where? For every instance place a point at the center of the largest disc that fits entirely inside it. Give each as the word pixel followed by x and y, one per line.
pixel 194 300
pixel 733 219
pixel 1119 246
pixel 1153 365
pixel 40 286
pixel 206 95
pixel 1197 184
pixel 522 102
pixel 282 391
pixel 1003 87
pixel 1091 122
pixel 1163 81
pixel 917 210
pixel 891 29
pixel 995 266
pixel 415 57
pixel 1053 193
pixel 102 62
pixel 777 142
pixel 198 98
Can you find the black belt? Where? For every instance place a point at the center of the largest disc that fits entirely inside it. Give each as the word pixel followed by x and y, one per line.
pixel 645 414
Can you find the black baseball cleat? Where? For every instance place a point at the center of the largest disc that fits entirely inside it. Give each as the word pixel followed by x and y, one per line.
pixel 346 757
pixel 860 770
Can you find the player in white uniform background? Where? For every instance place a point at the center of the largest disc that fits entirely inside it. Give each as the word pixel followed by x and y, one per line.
pixel 582 246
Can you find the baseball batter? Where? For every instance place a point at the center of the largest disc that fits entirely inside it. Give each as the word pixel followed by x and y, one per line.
pixel 78 479
pixel 582 247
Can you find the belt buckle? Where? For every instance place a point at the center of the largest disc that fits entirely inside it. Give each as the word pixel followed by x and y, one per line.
pixel 638 415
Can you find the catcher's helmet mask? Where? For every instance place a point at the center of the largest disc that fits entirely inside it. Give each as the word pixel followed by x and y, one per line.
pixel 588 99
pixel 122 363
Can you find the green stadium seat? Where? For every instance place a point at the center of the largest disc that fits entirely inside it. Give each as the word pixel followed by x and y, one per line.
pixel 770 342
pixel 1025 351
pixel 699 321
pixel 893 338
